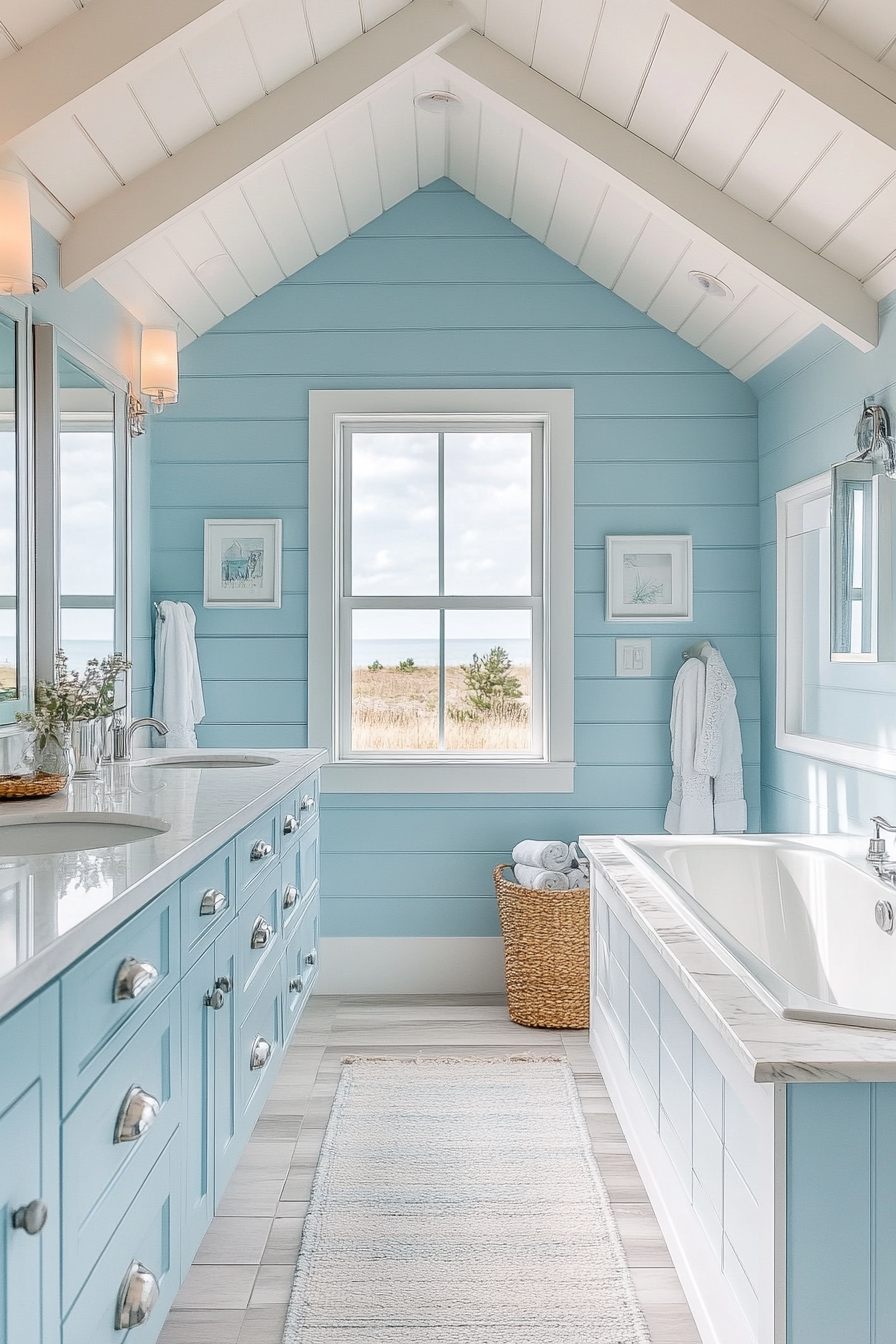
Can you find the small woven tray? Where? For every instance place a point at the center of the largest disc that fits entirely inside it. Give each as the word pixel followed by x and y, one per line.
pixel 546 952
pixel 40 785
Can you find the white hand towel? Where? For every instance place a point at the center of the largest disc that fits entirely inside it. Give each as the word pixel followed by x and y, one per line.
pixel 578 879
pixel 690 808
pixel 721 749
pixel 177 691
pixel 550 854
pixel 540 879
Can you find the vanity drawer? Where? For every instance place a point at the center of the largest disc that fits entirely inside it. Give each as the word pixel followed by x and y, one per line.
pixel 139 962
pixel 149 1233
pixel 260 1048
pixel 299 808
pixel 207 902
pixel 300 964
pixel 259 936
pixel 101 1176
pixel 257 848
pixel 301 872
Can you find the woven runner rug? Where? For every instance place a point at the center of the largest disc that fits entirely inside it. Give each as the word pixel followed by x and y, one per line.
pixel 458 1202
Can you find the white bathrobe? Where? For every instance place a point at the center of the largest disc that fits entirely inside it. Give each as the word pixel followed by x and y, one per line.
pixel 177 691
pixel 707 771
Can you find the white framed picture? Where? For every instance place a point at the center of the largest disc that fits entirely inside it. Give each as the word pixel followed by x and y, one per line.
pixel 649 578
pixel 242 562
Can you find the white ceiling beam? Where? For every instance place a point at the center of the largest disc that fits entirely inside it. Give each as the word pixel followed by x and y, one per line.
pixel 808 55
pixel 669 190
pixel 81 52
pixel 303 105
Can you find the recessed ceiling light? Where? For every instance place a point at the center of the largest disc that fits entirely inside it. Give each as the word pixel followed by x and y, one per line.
pixel 438 100
pixel 214 268
pixel 711 285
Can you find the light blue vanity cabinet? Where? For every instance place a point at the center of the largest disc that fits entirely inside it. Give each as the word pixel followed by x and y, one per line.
pixel 29 1184
pixel 143 1067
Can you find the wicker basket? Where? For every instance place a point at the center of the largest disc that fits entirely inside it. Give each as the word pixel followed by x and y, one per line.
pixel 16 787
pixel 546 950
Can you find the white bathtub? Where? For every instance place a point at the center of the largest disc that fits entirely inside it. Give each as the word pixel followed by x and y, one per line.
pixel 796 922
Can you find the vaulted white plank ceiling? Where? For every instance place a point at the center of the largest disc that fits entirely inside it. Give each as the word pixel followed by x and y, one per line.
pixel 189 154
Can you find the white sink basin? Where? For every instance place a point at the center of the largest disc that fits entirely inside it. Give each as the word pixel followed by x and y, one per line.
pixel 206 760
pixel 62 832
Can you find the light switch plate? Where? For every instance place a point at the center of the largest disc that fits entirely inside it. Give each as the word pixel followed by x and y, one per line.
pixel 633 657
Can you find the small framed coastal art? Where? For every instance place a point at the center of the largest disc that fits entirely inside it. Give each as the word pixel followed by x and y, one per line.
pixel 649 578
pixel 243 562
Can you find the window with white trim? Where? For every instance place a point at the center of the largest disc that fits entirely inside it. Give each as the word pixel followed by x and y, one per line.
pixel 440 589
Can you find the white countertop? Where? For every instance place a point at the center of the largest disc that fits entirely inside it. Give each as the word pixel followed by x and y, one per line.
pixel 55 907
pixel 773 1049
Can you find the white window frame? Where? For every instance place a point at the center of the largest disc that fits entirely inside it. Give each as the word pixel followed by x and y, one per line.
pixel 790 639
pixel 549 770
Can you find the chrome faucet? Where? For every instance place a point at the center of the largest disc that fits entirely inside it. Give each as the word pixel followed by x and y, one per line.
pixel 123 734
pixel 877 847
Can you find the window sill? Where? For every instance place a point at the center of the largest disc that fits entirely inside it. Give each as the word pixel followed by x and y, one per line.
pixel 448 777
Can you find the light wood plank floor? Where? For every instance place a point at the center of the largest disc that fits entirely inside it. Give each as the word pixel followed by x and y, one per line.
pixel 238 1287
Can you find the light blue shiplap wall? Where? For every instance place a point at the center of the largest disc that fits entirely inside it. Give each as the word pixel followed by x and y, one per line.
pixel 441 292
pixel 809 402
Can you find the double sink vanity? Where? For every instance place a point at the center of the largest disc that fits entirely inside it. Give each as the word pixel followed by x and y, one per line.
pixel 158 944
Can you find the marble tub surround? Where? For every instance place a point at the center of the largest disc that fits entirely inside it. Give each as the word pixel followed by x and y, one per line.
pixel 770 1048
pixel 58 906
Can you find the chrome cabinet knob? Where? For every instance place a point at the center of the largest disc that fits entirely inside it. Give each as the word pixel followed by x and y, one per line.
pixel 311 959
pixel 260 1053
pixel 31 1217
pixel 307 804
pixel 212 902
pixel 132 979
pixel 290 824
pixel 296 985
pixel 215 997
pixel 290 896
pixel 136 1115
pixel 138 1294
pixel 262 933
pixel 260 850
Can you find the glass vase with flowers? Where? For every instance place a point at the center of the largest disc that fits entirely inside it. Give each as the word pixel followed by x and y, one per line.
pixel 67 718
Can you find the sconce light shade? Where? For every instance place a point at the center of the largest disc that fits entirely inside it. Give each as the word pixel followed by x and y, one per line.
pixel 158 366
pixel 15 235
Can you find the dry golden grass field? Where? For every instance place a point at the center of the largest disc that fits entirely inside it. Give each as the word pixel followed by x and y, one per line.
pixel 7 682
pixel 399 711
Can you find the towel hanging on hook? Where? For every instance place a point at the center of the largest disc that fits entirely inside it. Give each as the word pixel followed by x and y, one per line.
pixel 159 613
pixel 698 650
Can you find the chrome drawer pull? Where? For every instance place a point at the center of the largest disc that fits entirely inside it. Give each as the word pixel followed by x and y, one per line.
pixel 260 1053
pixel 308 803
pixel 138 1294
pixel 260 850
pixel 215 997
pixel 212 901
pixel 296 985
pixel 290 896
pixel 290 825
pixel 311 959
pixel 132 979
pixel 262 933
pixel 138 1111
pixel 31 1217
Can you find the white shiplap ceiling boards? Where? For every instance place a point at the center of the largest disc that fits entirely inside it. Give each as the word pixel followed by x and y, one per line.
pixel 203 156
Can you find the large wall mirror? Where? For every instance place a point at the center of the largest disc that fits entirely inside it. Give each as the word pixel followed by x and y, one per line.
pixel 15 628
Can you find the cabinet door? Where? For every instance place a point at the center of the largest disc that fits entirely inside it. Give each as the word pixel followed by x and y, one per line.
pixel 198 1043
pixel 29 1170
pixel 20 1252
pixel 228 1140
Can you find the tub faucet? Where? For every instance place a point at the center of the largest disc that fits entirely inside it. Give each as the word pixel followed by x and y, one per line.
pixel 877 847
pixel 123 734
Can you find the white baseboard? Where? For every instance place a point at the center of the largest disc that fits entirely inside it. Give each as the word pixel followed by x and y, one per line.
pixel 410 966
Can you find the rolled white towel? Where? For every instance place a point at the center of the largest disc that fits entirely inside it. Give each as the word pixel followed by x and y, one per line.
pixel 578 879
pixel 550 854
pixel 540 879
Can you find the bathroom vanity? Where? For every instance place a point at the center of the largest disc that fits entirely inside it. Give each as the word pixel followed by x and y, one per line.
pixel 147 993
pixel 765 1142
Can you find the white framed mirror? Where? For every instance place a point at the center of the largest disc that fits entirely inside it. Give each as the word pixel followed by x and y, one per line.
pixel 863 506
pixel 16 518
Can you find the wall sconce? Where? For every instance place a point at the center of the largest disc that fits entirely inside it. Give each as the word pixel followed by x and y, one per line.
pixel 16 275
pixel 158 366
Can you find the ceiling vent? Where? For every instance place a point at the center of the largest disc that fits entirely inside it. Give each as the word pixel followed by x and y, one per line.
pixel 438 100
pixel 711 285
